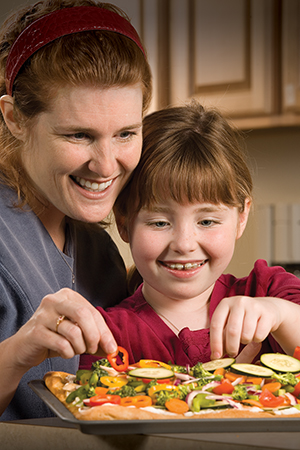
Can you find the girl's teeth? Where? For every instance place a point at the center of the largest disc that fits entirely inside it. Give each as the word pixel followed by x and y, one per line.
pixel 186 266
pixel 93 187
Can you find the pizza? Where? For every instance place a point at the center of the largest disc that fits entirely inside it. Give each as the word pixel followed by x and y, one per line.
pixel 114 390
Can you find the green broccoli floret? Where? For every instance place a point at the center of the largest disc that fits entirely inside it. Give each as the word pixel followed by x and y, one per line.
pixel 286 378
pixel 163 396
pixel 183 391
pixel 101 362
pixel 198 372
pixel 99 371
pixel 178 369
pixel 239 393
pixel 124 391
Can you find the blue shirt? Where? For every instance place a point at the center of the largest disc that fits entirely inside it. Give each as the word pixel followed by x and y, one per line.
pixel 31 266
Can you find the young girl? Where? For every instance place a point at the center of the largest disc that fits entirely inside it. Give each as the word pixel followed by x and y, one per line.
pixel 185 206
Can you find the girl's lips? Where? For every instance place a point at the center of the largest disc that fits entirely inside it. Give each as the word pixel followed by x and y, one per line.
pixel 183 271
pixel 183 266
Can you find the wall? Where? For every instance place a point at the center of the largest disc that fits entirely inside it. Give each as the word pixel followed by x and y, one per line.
pixel 275 158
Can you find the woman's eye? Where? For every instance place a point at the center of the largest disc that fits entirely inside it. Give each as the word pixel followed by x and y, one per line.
pixel 126 134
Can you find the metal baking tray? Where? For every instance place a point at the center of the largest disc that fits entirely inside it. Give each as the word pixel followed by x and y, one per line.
pixel 114 427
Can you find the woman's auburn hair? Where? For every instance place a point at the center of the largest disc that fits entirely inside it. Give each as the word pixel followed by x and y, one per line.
pixel 90 58
pixel 190 154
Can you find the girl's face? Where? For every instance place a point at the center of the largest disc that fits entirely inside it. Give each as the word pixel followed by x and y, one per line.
pixel 79 154
pixel 181 250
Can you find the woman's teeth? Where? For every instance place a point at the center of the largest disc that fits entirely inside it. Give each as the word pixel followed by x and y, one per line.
pixel 186 266
pixel 93 187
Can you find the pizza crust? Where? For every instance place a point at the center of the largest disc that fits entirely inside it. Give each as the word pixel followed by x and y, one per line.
pixel 59 384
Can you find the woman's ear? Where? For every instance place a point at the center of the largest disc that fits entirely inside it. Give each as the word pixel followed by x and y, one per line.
pixel 122 227
pixel 7 109
pixel 243 218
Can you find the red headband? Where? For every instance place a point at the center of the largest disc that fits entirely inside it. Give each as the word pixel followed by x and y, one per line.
pixel 60 23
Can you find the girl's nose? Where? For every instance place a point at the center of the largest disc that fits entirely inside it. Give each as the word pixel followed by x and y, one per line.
pixel 184 241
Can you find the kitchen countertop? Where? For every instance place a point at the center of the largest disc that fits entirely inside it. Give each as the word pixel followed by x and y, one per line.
pixel 54 434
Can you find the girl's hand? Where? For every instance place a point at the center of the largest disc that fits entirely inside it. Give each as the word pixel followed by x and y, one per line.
pixel 81 330
pixel 242 320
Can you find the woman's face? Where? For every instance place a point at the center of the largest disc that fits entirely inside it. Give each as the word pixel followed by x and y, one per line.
pixel 81 152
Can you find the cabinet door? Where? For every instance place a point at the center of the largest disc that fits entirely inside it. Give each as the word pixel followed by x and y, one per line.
pixel 291 56
pixel 222 54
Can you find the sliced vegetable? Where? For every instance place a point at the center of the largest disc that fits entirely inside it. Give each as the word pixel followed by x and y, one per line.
pixel 272 387
pixel 161 387
pixel 200 401
pixel 177 406
pixel 98 400
pixel 252 369
pixel 153 363
pixel 152 373
pixel 114 382
pixel 296 391
pixel 217 363
pixel 225 387
pixel 297 353
pixel 269 400
pixel 101 390
pixel 280 363
pixel 139 401
pixel 119 359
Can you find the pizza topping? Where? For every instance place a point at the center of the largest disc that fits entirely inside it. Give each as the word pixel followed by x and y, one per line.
pixel 119 359
pixel 157 385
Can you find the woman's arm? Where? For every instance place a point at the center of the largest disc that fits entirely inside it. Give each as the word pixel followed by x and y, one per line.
pixel 82 330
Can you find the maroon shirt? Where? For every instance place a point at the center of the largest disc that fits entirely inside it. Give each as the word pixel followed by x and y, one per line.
pixel 137 327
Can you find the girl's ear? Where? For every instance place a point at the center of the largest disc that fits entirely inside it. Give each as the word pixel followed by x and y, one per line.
pixel 122 227
pixel 243 218
pixel 7 109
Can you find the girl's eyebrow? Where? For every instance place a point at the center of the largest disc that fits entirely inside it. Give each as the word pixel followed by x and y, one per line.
pixel 201 209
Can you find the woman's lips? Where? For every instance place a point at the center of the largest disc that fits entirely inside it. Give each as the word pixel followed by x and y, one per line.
pixel 92 186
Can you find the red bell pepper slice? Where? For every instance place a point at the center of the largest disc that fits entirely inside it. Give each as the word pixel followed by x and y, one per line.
pixel 98 400
pixel 296 391
pixel 119 360
pixel 270 400
pixel 297 353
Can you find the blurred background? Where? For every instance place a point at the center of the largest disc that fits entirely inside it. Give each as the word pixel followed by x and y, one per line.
pixel 242 56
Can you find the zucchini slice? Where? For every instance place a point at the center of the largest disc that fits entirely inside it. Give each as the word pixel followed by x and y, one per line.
pixel 218 363
pixel 252 369
pixel 280 363
pixel 152 372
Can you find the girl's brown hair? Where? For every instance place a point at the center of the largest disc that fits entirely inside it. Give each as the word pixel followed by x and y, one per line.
pixel 189 154
pixel 96 58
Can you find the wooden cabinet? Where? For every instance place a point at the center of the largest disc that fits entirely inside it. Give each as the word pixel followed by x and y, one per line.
pixel 239 55
pixel 291 56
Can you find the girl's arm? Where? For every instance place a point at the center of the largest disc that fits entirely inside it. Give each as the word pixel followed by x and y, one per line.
pixel 242 319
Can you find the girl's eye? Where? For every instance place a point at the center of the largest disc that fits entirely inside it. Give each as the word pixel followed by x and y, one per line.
pixel 158 224
pixel 206 223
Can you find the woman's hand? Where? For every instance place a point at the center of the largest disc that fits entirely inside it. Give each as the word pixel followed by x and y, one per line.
pixel 80 329
pixel 242 320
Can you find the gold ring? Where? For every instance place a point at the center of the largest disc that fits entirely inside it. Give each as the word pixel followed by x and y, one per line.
pixel 58 322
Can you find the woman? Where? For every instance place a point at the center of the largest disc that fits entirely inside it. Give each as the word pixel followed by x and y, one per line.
pixel 74 85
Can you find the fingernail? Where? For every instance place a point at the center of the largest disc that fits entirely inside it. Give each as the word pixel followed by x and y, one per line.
pixel 111 347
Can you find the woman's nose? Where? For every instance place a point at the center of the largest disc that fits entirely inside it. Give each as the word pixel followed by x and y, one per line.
pixel 103 161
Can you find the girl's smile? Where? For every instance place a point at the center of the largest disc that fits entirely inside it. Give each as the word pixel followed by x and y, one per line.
pixel 182 249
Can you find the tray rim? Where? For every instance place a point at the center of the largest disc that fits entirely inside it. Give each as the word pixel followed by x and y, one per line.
pixel 161 426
